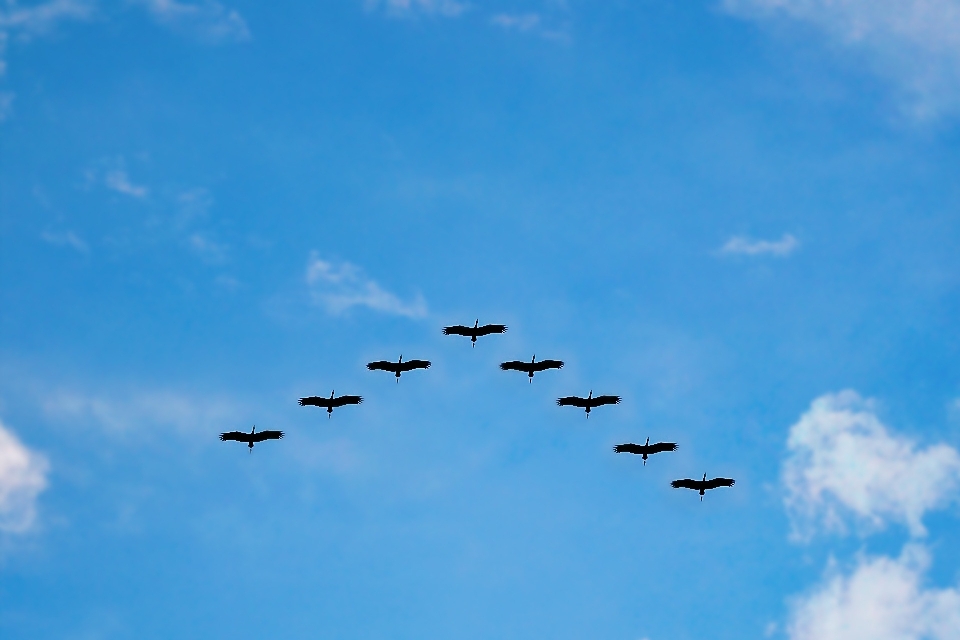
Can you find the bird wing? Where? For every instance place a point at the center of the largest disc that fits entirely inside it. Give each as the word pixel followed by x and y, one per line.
pixel 315 401
pixel 414 364
pixel 458 330
pixel 239 436
pixel 601 400
pixel 516 365
pixel 547 364
pixel 686 483
pixel 487 329
pixel 718 482
pixel 260 436
pixel 342 400
pixel 629 447
pixel 382 365
pixel 572 401
pixel 658 447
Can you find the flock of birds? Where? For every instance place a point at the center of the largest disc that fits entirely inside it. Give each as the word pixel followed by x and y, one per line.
pixel 530 368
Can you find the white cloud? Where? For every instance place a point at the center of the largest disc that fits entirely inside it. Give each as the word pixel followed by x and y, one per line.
pixel 38 18
pixel 65 239
pixel 448 8
pixel 520 22
pixel 207 249
pixel 339 287
pixel 916 42
pixel 208 19
pixel 23 476
pixel 882 599
pixel 843 462
pixel 118 180
pixel 6 98
pixel 739 245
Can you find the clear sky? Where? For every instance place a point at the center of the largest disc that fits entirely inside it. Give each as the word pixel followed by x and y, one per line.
pixel 741 216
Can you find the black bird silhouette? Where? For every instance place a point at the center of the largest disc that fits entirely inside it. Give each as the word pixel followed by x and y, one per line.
pixel 252 437
pixel 587 403
pixel 531 367
pixel 330 403
pixel 398 367
pixel 702 485
pixel 645 449
pixel 475 331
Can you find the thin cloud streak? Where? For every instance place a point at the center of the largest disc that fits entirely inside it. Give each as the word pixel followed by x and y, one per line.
pixel 65 239
pixel 23 476
pixel 118 180
pixel 339 287
pixel 740 245
pixel 407 8
pixel 207 20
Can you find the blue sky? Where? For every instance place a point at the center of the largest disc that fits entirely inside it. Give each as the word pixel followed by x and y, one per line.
pixel 741 216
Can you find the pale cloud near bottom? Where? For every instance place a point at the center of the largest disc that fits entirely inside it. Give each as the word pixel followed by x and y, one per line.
pixel 341 286
pixel 23 476
pixel 741 245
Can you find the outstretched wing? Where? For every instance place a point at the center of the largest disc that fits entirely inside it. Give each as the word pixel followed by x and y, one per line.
pixel 601 400
pixel 382 365
pixel 572 401
pixel 516 365
pixel 343 400
pixel 414 364
pixel 260 436
pixel 239 436
pixel 659 447
pixel 686 483
pixel 458 330
pixel 315 401
pixel 719 482
pixel 547 364
pixel 487 329
pixel 629 447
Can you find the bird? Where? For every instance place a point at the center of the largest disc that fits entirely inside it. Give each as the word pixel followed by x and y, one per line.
pixel 331 402
pixel 531 367
pixel 252 437
pixel 702 485
pixel 399 366
pixel 475 331
pixel 587 403
pixel 646 449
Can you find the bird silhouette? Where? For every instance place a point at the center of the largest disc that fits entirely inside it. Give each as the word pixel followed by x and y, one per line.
pixel 330 403
pixel 252 437
pixel 399 366
pixel 531 367
pixel 702 485
pixel 587 403
pixel 475 331
pixel 646 449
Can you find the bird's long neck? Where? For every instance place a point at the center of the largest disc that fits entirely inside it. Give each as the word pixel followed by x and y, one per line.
pixel 254 430
pixel 590 395
pixel 477 323
pixel 533 359
pixel 648 442
pixel 704 477
pixel 401 359
pixel 331 394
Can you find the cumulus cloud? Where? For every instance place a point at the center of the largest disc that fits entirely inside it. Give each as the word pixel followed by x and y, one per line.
pixel 881 599
pixel 341 286
pixel 843 464
pixel 448 8
pixel 739 245
pixel 207 20
pixel 23 476
pixel 915 42
pixel 118 180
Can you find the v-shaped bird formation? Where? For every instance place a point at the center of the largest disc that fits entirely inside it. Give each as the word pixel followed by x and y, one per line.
pixel 399 367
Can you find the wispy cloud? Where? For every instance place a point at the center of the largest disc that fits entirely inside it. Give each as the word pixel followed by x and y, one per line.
pixel 740 245
pixel 207 249
pixel 914 42
pixel 845 464
pixel 39 18
pixel 118 180
pixel 881 599
pixel 65 239
pixel 340 286
pixel 519 22
pixel 206 20
pixel 23 476
pixel 447 8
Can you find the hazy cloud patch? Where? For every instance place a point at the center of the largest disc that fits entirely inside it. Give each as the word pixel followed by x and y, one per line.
pixel 207 20
pixel 23 476
pixel 341 286
pixel 740 245
pixel 65 239
pixel 447 8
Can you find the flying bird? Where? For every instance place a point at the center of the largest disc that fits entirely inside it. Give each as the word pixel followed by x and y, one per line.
pixel 399 366
pixel 702 485
pixel 475 331
pixel 330 403
pixel 587 403
pixel 252 437
pixel 531 367
pixel 646 449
